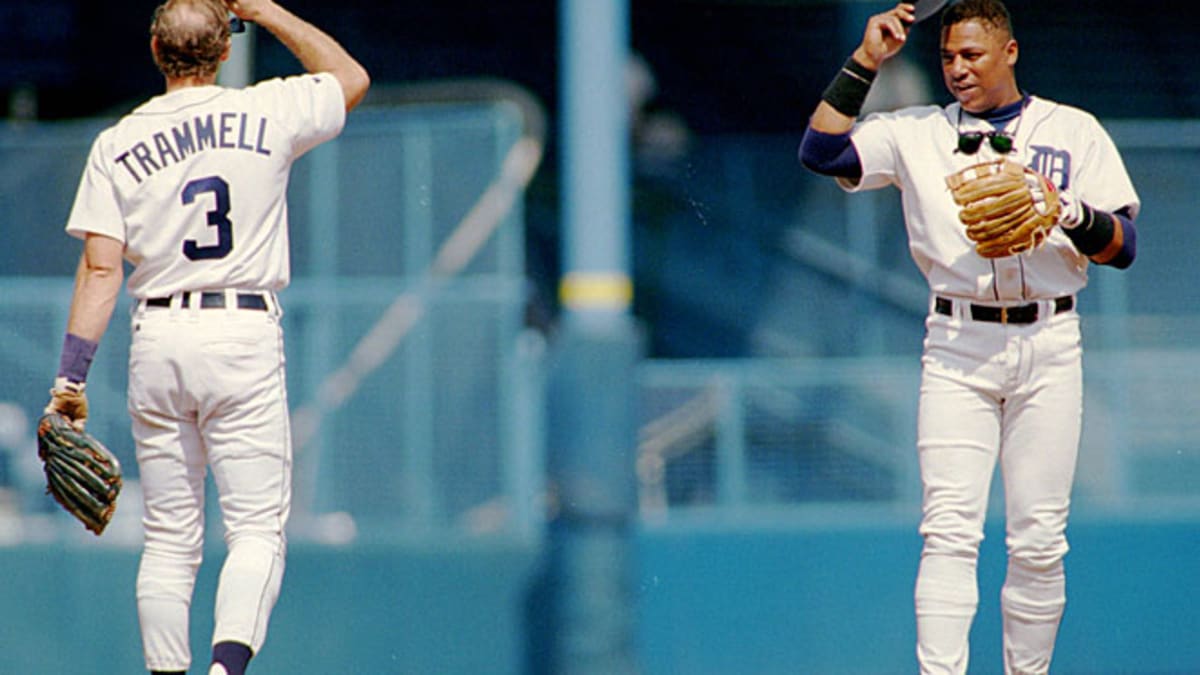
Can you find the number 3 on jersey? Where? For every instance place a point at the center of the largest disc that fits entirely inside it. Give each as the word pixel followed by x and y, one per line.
pixel 218 218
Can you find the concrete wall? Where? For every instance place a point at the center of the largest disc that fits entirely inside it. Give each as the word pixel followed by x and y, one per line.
pixel 822 593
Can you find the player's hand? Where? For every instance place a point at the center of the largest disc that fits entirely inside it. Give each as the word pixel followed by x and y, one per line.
pixel 885 35
pixel 70 400
pixel 1070 215
pixel 247 10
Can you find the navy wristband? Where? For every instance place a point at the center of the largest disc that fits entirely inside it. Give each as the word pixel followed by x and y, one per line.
pixel 1093 233
pixel 1097 231
pixel 849 88
pixel 76 359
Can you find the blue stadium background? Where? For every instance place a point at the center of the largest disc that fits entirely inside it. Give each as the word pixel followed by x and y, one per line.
pixel 775 477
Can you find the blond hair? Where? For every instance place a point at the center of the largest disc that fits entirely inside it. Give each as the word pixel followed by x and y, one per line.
pixel 191 37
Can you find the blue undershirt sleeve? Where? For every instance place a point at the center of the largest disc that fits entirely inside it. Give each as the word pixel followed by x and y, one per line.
pixel 830 154
pixel 1125 256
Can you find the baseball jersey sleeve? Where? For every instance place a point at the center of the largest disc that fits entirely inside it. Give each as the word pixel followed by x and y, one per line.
pixel 874 141
pixel 97 208
pixel 312 106
pixel 1102 180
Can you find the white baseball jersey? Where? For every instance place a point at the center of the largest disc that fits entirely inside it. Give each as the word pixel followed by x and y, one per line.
pixel 915 149
pixel 194 182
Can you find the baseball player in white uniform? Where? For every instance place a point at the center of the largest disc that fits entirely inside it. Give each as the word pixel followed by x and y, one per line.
pixel 1001 374
pixel 189 188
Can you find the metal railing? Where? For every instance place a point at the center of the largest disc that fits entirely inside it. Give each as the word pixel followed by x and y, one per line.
pixel 411 377
pixel 747 434
pixel 455 405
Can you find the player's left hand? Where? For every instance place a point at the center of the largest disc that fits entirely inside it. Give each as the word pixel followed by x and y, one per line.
pixel 68 399
pixel 1071 211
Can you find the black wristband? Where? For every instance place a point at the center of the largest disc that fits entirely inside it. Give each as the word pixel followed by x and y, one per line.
pixel 849 88
pixel 1095 231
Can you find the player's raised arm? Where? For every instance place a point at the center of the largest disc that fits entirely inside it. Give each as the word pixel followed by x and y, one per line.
pixel 842 100
pixel 316 50
pixel 826 147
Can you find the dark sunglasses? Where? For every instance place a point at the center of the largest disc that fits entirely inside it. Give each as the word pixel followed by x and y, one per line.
pixel 969 142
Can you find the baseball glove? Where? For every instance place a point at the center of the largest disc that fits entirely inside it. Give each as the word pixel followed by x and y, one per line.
pixel 81 474
pixel 1006 208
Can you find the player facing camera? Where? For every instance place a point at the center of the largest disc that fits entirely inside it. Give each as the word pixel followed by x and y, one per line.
pixel 1005 251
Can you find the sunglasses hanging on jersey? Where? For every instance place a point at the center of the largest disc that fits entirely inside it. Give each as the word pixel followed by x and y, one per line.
pixel 969 142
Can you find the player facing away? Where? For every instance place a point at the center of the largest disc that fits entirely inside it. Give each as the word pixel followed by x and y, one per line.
pixel 189 188
pixel 1001 366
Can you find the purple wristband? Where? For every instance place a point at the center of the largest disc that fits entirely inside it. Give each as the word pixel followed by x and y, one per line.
pixel 76 357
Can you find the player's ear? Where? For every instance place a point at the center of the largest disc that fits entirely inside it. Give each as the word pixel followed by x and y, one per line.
pixel 1011 52
pixel 154 48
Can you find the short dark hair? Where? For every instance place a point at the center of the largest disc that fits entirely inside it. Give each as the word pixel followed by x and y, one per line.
pixel 992 12
pixel 192 37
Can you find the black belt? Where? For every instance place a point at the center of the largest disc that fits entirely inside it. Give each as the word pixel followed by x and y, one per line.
pixel 1019 314
pixel 213 300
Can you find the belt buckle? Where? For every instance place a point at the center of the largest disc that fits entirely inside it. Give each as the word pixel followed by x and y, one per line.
pixel 1004 315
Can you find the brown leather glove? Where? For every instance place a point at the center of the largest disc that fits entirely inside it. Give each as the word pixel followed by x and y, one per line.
pixel 1006 208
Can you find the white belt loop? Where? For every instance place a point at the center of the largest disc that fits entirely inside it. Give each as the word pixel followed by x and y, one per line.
pixel 272 303
pixel 959 309
pixel 230 299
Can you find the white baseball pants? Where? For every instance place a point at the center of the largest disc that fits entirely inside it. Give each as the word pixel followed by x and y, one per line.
pixel 996 393
pixel 207 390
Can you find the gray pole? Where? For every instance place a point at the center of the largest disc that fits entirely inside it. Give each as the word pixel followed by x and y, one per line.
pixel 592 397
pixel 238 71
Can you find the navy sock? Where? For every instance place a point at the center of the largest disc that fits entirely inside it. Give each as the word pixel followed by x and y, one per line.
pixel 233 655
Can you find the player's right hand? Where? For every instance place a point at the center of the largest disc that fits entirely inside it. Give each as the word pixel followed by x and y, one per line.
pixel 885 35
pixel 247 9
